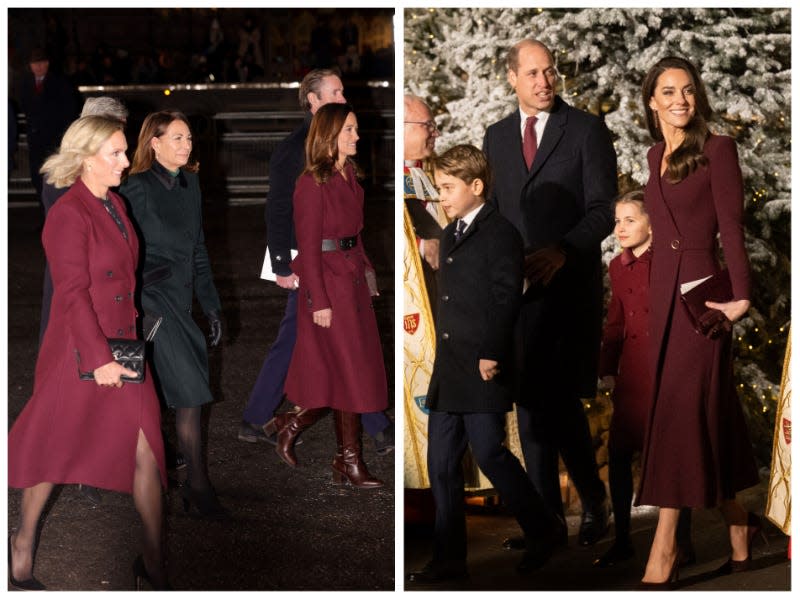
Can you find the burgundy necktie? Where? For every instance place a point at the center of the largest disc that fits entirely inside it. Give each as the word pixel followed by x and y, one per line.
pixel 529 142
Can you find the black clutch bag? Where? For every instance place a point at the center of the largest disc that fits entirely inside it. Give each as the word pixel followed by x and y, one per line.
pixel 716 288
pixel 128 353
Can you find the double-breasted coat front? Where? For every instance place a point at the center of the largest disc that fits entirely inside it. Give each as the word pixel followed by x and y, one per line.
pixel 624 352
pixel 697 450
pixel 167 211
pixel 72 430
pixel 341 366
pixel 480 290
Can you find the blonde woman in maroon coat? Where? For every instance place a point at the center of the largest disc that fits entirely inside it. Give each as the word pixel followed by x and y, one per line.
pixel 104 433
pixel 337 362
pixel 697 452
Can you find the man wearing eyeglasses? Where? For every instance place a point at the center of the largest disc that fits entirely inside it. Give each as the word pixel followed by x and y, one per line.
pixel 419 139
pixel 555 168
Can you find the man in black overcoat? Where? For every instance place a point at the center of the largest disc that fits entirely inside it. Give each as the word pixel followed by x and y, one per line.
pixel 50 104
pixel 556 181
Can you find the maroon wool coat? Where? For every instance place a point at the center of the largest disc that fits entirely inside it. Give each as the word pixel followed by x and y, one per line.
pixel 340 366
pixel 74 431
pixel 625 349
pixel 697 450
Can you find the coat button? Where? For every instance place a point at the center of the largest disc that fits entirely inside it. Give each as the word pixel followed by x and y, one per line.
pixel 118 298
pixel 675 244
pixel 130 294
pixel 445 336
pixel 278 258
pixel 120 332
pixel 449 260
pixel 445 298
pixel 109 273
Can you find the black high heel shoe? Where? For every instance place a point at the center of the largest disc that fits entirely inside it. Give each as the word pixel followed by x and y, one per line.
pixel 141 576
pixel 671 581
pixel 26 585
pixel 205 503
pixel 754 527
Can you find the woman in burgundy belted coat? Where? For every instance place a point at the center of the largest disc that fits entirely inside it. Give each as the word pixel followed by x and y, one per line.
pixel 337 362
pixel 697 452
pixel 104 433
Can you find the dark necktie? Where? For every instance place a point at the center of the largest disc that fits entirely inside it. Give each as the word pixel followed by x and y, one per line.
pixel 529 142
pixel 460 227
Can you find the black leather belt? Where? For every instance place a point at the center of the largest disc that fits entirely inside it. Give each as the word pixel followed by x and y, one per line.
pixel 340 244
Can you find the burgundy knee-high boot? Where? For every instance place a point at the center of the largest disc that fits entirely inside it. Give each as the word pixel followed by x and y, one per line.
pixel 348 464
pixel 293 425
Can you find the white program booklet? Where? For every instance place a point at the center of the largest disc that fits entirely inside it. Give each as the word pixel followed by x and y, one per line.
pixel 266 269
pixel 690 285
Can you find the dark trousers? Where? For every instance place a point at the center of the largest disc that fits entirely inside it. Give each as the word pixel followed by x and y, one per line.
pixel 448 436
pixel 267 393
pixel 620 483
pixel 559 426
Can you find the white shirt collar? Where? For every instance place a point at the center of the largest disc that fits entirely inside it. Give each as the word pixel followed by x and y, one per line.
pixel 541 121
pixel 470 216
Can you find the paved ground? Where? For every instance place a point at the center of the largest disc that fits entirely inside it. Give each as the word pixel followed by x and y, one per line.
pixel 291 529
pixel 492 568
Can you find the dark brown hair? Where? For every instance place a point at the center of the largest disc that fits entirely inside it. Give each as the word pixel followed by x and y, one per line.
pixel 687 157
pixel 465 162
pixel 155 125
pixel 322 143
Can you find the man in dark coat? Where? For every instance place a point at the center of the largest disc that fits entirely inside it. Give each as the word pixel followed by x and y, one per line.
pixel 50 104
pixel 555 169
pixel 471 385
pixel 319 87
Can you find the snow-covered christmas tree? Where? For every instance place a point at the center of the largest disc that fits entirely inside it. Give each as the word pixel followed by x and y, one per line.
pixel 455 59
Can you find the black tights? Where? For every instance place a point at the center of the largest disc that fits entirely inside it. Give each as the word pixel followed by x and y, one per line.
pixel 190 443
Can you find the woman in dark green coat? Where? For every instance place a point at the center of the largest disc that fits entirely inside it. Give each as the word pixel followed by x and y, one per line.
pixel 166 207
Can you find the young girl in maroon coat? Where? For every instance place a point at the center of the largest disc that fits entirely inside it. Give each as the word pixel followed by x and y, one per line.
pixel 337 362
pixel 625 370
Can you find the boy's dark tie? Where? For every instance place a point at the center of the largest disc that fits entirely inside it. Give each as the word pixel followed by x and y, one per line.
pixel 460 227
pixel 529 142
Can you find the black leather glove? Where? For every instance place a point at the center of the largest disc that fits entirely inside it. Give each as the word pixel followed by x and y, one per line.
pixel 713 323
pixel 215 328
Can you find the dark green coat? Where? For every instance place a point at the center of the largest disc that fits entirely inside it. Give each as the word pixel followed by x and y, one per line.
pixel 167 212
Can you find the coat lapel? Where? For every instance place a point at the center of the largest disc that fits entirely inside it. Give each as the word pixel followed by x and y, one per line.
pixel 553 132
pixel 106 224
pixel 451 244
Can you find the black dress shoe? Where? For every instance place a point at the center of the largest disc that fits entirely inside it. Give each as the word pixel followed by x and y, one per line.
pixel 514 543
pixel 539 549
pixel 92 494
pixel 518 542
pixel 594 525
pixel 438 571
pixel 249 432
pixel 619 552
pixel 384 440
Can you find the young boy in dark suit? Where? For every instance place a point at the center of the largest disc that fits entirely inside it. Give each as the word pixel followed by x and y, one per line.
pixel 480 289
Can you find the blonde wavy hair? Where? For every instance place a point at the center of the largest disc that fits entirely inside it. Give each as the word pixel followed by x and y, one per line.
pixel 82 139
